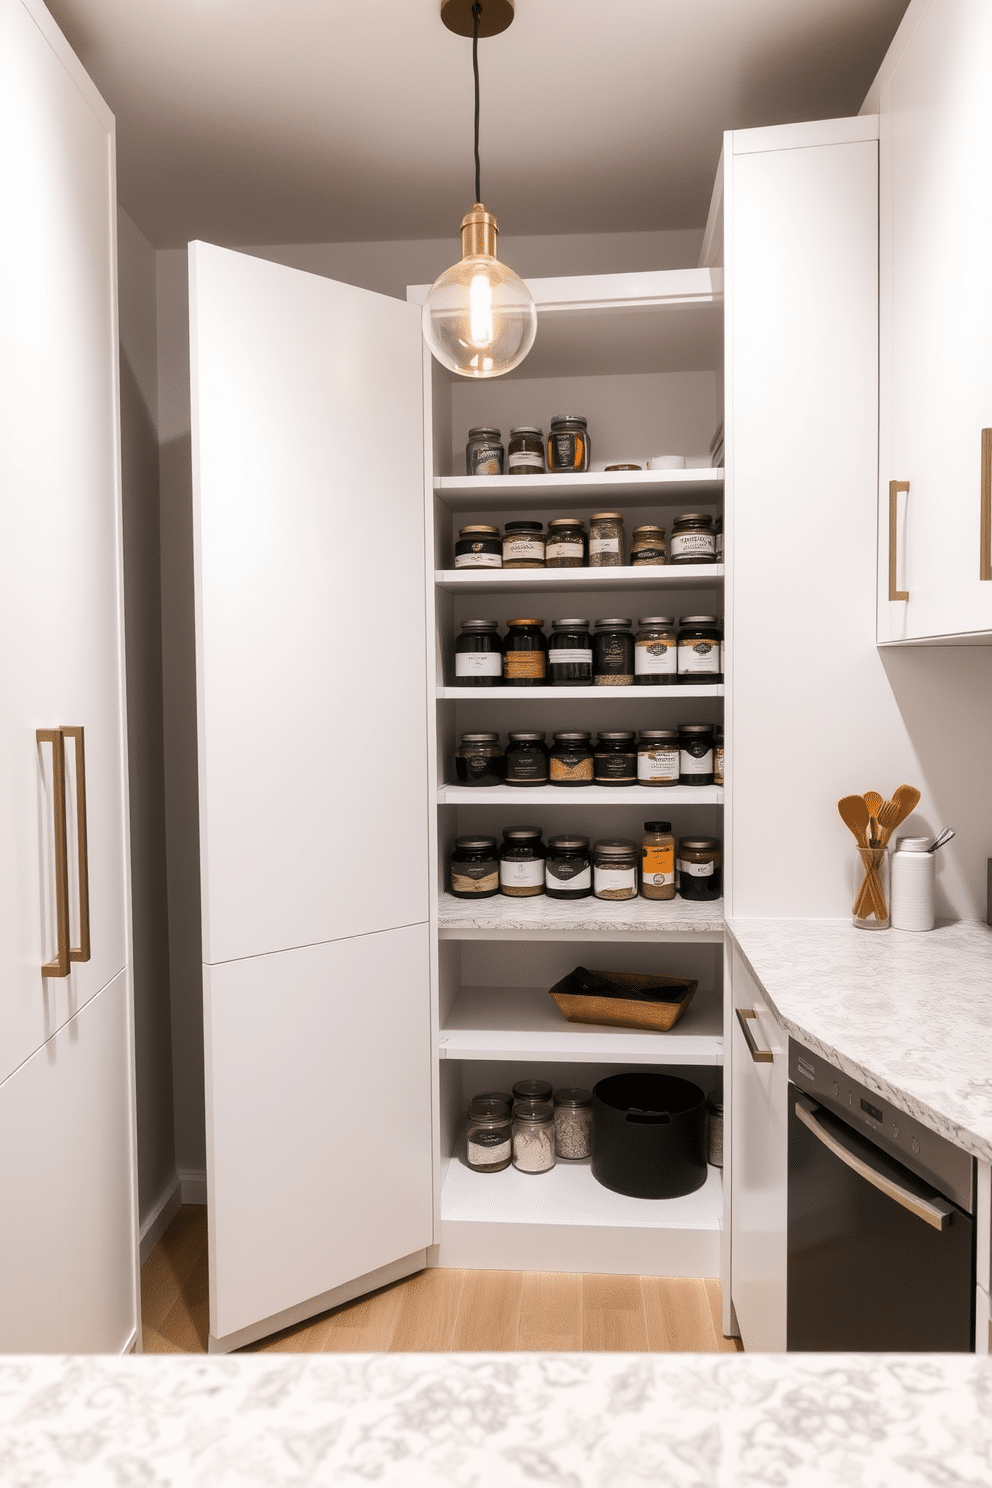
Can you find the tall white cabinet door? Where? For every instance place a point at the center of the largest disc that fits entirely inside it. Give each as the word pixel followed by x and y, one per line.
pixel 61 644
pixel 936 320
pixel 31 1305
pixel 311 634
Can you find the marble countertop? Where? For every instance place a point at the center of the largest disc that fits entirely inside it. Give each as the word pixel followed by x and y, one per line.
pixel 497 1421
pixel 910 1015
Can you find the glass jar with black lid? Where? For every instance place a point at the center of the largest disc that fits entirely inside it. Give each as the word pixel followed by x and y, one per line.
pixel 699 862
pixel 656 657
pixel 521 862
pixel 568 868
pixel 479 655
pixel 571 759
pixel 614 868
pixel 488 1139
pixel 479 760
pixel 568 443
pixel 613 654
pixel 479 546
pixel 695 754
pixel 474 868
pixel 693 539
pixel 527 760
pixel 484 452
pixel 570 654
pixel 565 546
pixel 525 654
pixel 699 650
pixel 523 545
pixel 525 453
pixel 616 758
pixel 531 1090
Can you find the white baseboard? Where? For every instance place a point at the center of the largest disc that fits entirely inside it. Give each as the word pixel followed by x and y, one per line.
pixel 194 1185
pixel 160 1216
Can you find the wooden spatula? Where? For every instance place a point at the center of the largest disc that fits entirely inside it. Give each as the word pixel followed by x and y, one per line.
pixel 905 799
pixel 874 801
pixel 854 815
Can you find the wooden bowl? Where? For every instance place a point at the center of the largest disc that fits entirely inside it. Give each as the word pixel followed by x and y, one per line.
pixel 623 1012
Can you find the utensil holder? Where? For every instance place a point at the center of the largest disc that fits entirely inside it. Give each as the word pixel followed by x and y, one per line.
pixel 871 889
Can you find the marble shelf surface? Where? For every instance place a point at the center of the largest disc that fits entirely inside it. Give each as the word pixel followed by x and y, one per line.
pixel 909 1015
pixel 613 919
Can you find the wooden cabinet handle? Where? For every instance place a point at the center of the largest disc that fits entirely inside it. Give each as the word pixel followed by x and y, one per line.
pixel 985 538
pixel 744 1018
pixel 894 488
pixel 60 966
pixel 82 951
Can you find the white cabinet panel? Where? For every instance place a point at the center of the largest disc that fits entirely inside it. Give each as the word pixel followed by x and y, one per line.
pixel 31 1314
pixel 319 1166
pixel 311 633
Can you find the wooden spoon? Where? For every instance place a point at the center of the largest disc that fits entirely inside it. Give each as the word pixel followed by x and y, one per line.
pixel 854 815
pixel 905 799
pixel 874 803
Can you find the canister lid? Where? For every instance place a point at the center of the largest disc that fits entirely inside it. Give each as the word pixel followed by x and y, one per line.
pixel 606 517
pixel 475 844
pixel 568 844
pixel 572 737
pixel 658 736
pixel 913 844
pixel 694 620
pixel 532 737
pixel 568 418
pixel 524 527
pixel 623 736
pixel 573 1095
pixel 614 847
pixel 694 517
pixel 623 467
pixel 484 433
pixel 648 527
pixel 657 826
pixel 525 622
pixel 566 522
pixel 488 1107
pixel 480 738
pixel 533 1110
pixel 532 1090
pixel 471 531
pixel 518 833
pixel 700 844
pixel 651 620
pixel 613 624
pixel 527 429
pixel 570 625
pixel 480 625
pixel 695 728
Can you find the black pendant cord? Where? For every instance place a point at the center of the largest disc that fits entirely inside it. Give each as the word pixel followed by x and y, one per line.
pixel 476 13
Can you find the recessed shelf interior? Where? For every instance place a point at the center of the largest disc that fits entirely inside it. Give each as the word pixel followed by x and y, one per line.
pixel 666 579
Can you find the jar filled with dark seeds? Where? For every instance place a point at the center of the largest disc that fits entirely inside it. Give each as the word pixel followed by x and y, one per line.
pixel 571 759
pixel 614 869
pixel 656 655
pixel 479 547
pixel 613 654
pixel 484 452
pixel 531 1090
pixel 565 546
pixel 699 864
pixel 570 654
pixel 533 1136
pixel 525 453
pixel 479 760
pixel 474 868
pixel 699 650
pixel 525 654
pixel 521 863
pixel 488 1147
pixel 648 548
pixel 695 754
pixel 479 655
pixel 568 868
pixel 606 540
pixel 693 539
pixel 573 1123
pixel 523 545
pixel 616 758
pixel 658 757
pixel 527 760
pixel 568 443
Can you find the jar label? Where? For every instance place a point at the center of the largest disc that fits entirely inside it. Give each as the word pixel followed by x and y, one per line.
pixel 474 878
pixel 498 1137
pixel 566 451
pixel 697 870
pixel 657 765
pixel 616 767
pixel 562 549
pixel 571 656
pixel 604 545
pixel 612 654
pixel 697 544
pixel 699 658
pixel 487 460
pixel 718 765
pixel 528 874
pixel 523 548
pixel 571 767
pixel 483 1153
pixel 658 865
pixel 529 664
pixel 569 875
pixel 691 763
pixel 612 879
pixel 477 557
pixel 647 555
pixel 526 460
pixel 526 764
pixel 478 664
pixel 654 656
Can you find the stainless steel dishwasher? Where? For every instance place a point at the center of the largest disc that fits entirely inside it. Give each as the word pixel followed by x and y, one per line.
pixel 881 1235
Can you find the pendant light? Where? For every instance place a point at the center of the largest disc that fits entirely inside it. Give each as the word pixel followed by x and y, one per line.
pixel 479 318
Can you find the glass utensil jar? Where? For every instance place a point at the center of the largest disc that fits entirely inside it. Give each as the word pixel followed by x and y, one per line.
pixel 699 650
pixel 573 1123
pixel 525 654
pixel 656 656
pixel 616 758
pixel 521 862
pixel 479 655
pixel 568 868
pixel 565 546
pixel 474 868
pixel 523 545
pixel 479 760
pixel 479 547
pixel 614 869
pixel 571 759
pixel 613 654
pixel 657 861
pixel 568 443
pixel 570 654
pixel 525 453
pixel 698 862
pixel 489 1142
pixel 606 540
pixel 527 760
pixel 658 757
pixel 484 452
pixel 870 910
pixel 533 1136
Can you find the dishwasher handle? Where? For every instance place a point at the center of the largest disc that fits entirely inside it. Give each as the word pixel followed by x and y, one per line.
pixel 933 1211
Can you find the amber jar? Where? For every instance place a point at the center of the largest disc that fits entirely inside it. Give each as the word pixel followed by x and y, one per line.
pixel 648 548
pixel 570 654
pixel 571 759
pixel 523 545
pixel 616 758
pixel 656 658
pixel 479 547
pixel 484 452
pixel 565 546
pixel 521 862
pixel 699 864
pixel 568 443
pixel 693 539
pixel 606 540
pixel 525 654
pixel 657 861
pixel 525 453
pixel 613 654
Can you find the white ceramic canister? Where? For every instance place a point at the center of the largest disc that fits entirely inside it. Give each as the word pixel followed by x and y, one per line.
pixel 912 890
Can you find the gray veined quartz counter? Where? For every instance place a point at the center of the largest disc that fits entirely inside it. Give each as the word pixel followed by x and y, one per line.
pixel 910 1015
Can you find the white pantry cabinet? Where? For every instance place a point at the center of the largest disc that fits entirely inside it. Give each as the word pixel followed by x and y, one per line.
pixel 69 1274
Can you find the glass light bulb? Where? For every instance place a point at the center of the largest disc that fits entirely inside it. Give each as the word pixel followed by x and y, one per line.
pixel 479 318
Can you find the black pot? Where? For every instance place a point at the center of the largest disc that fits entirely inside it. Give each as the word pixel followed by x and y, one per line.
pixel 649 1135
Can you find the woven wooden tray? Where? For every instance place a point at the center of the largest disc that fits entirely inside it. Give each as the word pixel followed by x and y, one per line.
pixel 623 1012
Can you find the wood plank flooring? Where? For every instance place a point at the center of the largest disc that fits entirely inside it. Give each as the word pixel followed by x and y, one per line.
pixel 443 1310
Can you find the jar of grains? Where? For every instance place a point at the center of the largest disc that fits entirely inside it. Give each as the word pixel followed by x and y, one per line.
pixel 699 650
pixel 523 545
pixel 718 754
pixel 568 868
pixel 570 654
pixel 615 760
pixel 521 862
pixel 699 867
pixel 525 454
pixel 479 760
pixel 490 1127
pixel 525 654
pixel 479 547
pixel 568 443
pixel 693 539
pixel 474 868
pixel 533 1136
pixel 571 759
pixel 695 754
pixel 573 1123
pixel 484 452
pixel 613 654
pixel 657 861
pixel 648 548
pixel 606 540
pixel 614 869
pixel 479 655
pixel 566 543
pixel 527 760
pixel 656 653
pixel 531 1090
pixel 658 757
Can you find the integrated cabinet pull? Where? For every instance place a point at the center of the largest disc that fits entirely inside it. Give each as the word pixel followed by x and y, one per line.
pixel 744 1018
pixel 894 488
pixel 60 966
pixel 985 539
pixel 82 951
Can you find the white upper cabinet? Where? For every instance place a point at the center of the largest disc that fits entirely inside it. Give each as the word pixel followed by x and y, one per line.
pixel 935 103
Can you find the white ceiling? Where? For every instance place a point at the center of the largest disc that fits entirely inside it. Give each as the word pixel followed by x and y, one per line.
pixel 299 121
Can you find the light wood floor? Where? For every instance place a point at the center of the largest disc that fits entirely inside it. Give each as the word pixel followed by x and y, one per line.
pixel 441 1310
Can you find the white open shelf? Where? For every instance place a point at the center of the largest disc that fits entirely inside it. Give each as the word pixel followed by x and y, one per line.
pixel 565 694
pixel 626 488
pixel 666 578
pixel 541 918
pixel 650 797
pixel 522 1024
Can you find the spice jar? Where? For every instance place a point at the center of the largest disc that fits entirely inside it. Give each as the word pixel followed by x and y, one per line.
pixel 571 759
pixel 489 1141
pixel 484 452
pixel 570 654
pixel 718 540
pixel 573 1123
pixel 566 543
pixel 568 868
pixel 658 757
pixel 718 754
pixel 614 869
pixel 479 760
pixel 527 760
pixel 695 754
pixel 657 861
pixel 615 761
pixel 568 443
pixel 648 548
pixel 531 1090
pixel 656 654
pixel 479 547
pixel 533 1136
pixel 613 654
pixel 693 539
pixel 606 540
pixel 479 655
pixel 523 545
pixel 699 649
pixel 521 862
pixel 525 654
pixel 496 1095
pixel 525 454
pixel 474 868
pixel 698 862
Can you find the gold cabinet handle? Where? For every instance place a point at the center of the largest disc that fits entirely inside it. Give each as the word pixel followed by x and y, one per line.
pixel 82 951
pixel 745 1016
pixel 60 966
pixel 985 539
pixel 894 488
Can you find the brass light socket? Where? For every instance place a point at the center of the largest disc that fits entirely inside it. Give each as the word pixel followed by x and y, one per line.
pixel 479 229
pixel 496 16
